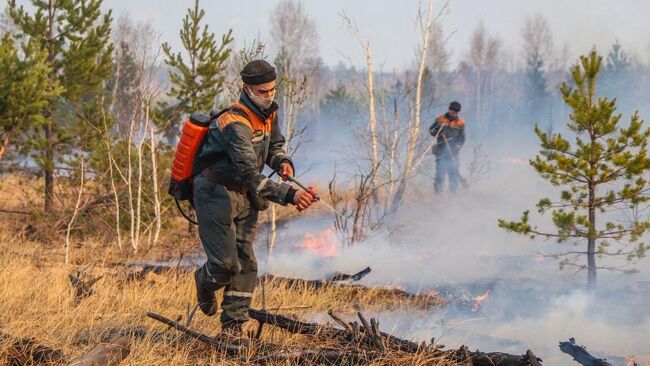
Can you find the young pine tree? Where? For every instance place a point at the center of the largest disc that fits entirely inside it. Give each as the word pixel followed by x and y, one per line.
pixel 603 172
pixel 197 82
pixel 24 89
pixel 75 36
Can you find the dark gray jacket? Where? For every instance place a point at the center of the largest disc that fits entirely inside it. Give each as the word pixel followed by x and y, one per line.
pixel 241 141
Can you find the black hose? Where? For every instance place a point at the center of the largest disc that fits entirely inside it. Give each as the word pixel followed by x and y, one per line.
pixel 180 209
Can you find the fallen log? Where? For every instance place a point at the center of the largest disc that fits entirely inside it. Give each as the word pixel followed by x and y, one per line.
pixel 580 354
pixel 26 351
pixel 504 359
pixel 265 352
pixel 390 342
pixel 111 353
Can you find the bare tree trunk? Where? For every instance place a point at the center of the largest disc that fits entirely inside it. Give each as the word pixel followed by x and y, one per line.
pixel 415 123
pixel 138 202
pixel 479 102
pixel 156 198
pixel 591 243
pixel 371 109
pixel 272 235
pixel 111 175
pixel 129 183
pixel 111 107
pixel 289 122
pixel 49 148
pixel 394 138
pixel 75 213
pixel 49 168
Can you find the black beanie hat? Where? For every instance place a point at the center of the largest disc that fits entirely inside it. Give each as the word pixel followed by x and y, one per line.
pixel 258 72
pixel 454 106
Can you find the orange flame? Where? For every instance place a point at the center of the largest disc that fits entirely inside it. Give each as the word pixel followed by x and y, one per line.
pixel 479 299
pixel 324 244
pixel 433 293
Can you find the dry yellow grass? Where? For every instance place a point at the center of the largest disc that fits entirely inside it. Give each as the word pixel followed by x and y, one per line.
pixel 37 301
pixel 36 297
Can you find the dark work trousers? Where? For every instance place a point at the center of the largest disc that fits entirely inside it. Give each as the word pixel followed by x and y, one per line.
pixel 446 165
pixel 227 227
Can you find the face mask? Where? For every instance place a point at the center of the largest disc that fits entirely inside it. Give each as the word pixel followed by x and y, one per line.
pixel 452 117
pixel 261 102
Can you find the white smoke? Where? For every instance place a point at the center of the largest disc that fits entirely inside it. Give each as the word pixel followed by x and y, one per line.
pixel 454 243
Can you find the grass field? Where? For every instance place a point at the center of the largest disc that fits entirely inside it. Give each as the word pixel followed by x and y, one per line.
pixel 37 299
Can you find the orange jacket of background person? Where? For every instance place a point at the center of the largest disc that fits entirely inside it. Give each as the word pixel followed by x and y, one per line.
pixel 450 134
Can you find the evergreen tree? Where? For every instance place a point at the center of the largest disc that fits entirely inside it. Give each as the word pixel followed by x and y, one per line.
pixel 24 88
pixel 75 35
pixel 536 95
pixel 617 61
pixel 537 53
pixel 339 103
pixel 618 78
pixel 122 86
pixel 603 172
pixel 196 83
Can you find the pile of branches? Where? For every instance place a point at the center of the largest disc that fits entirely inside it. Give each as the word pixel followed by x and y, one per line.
pixel 354 343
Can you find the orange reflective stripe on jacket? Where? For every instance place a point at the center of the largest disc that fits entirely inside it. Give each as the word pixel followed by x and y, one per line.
pixel 446 122
pixel 252 120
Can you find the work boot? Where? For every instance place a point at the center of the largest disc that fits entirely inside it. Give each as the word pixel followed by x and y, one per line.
pixel 232 328
pixel 205 294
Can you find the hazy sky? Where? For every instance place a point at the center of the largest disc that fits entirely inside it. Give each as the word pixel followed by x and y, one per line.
pixel 390 25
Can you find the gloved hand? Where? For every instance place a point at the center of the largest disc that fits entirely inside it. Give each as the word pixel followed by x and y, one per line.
pixel 303 199
pixel 286 170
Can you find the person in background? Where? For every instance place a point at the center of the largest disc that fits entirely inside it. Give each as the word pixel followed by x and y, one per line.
pixel 449 132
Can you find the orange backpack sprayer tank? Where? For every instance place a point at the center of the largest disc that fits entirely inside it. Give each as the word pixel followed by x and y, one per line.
pixel 193 133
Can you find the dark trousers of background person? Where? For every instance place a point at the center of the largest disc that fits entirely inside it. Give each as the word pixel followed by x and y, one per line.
pixel 446 166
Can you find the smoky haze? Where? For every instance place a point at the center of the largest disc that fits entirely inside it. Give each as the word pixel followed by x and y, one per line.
pixel 390 24
pixel 453 245
pixel 447 243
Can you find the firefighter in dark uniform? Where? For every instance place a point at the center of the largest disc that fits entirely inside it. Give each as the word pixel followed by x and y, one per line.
pixel 449 132
pixel 231 191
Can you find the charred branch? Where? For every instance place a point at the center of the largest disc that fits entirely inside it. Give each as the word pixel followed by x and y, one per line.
pixel 265 352
pixel 580 354
pixel 82 284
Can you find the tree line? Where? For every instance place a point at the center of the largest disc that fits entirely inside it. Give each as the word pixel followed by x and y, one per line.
pixel 93 105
